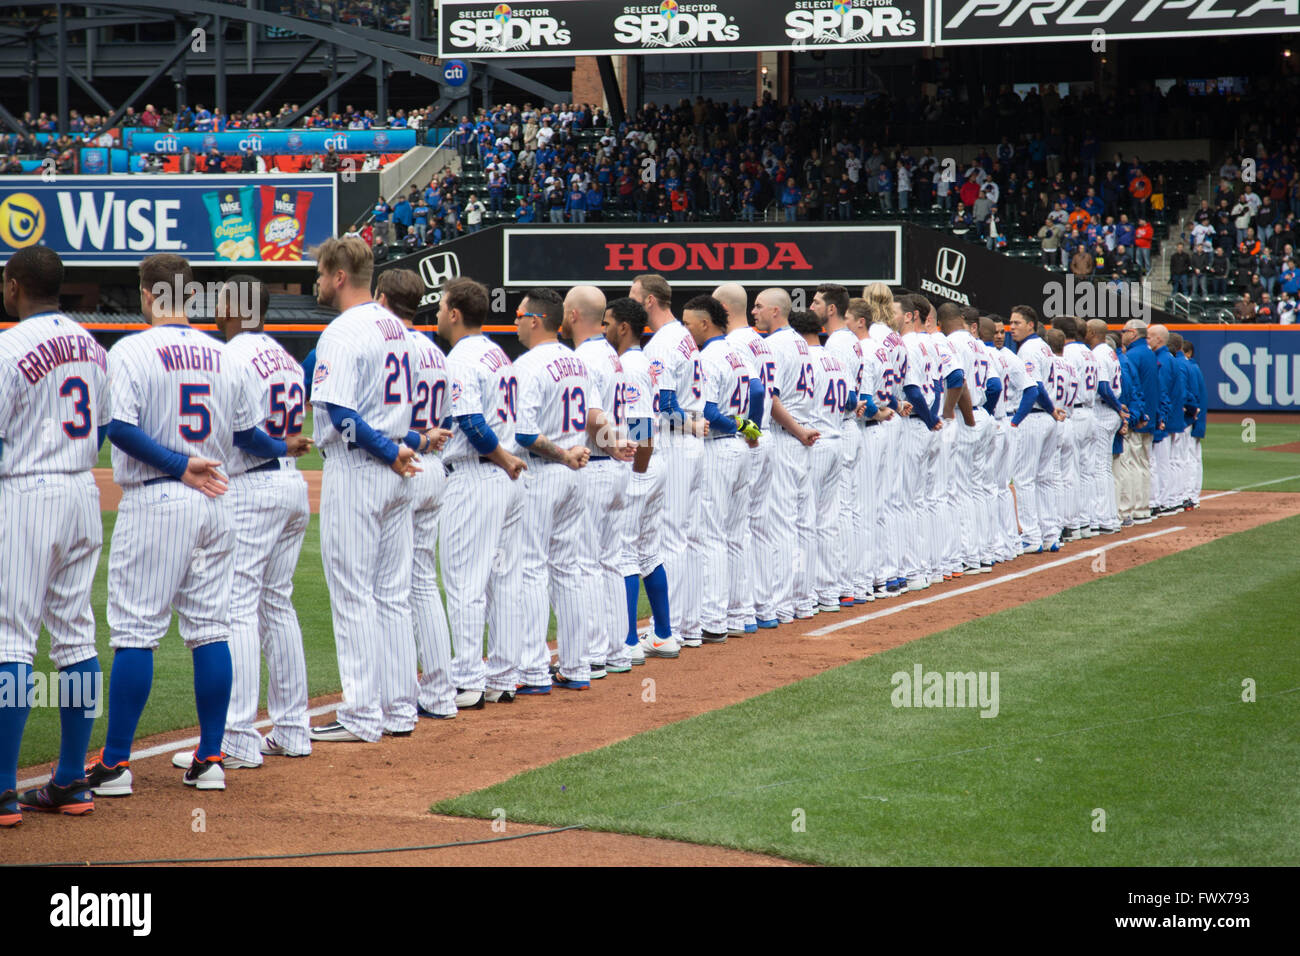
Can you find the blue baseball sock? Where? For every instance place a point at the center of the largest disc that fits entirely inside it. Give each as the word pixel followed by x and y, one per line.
pixel 15 678
pixel 656 589
pixel 633 584
pixel 128 692
pixel 212 680
pixel 76 722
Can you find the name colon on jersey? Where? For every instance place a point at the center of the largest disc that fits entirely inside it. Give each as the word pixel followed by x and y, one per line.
pixel 192 358
pixel 269 361
pixel 60 350
pixel 831 364
pixel 494 359
pixel 566 366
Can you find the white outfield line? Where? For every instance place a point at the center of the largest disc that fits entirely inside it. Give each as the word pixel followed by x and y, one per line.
pixel 175 745
pixel 987 583
pixel 1258 484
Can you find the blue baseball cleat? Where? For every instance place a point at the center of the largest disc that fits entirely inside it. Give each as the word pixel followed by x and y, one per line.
pixel 766 625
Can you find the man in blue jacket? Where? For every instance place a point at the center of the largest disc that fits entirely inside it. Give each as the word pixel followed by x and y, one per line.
pixel 1185 410
pixel 1196 426
pixel 1161 447
pixel 1143 362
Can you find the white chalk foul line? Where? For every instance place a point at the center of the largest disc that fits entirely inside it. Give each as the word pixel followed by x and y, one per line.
pixel 986 583
pixel 175 745
pixel 1258 484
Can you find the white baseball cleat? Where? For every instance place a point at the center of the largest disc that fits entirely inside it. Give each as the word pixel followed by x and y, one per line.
pixel 652 646
pixel 637 653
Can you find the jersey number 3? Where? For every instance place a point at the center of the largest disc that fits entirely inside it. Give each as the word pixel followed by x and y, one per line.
pixel 80 407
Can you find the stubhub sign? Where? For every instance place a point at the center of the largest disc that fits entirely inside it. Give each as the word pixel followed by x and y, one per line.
pixel 1250 370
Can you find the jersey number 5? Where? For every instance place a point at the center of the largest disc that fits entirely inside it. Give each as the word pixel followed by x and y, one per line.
pixel 193 408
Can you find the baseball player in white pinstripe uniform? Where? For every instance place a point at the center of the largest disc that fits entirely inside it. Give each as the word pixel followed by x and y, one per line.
pixel 1034 444
pixel 832 387
pixel 755 582
pixel 921 448
pixel 1063 477
pixel 625 319
pixel 1010 367
pixel 53 412
pixel 830 304
pixel 950 386
pixel 727 393
pixel 269 501
pixel 791 517
pixel 172 388
pixel 604 481
pixel 1107 414
pixel 1083 429
pixel 969 481
pixel 399 291
pixel 362 392
pixel 675 363
pixel 480 535
pixel 885 331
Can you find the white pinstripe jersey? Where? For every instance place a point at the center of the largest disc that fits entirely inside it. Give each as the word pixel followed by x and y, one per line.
pixel 554 391
pixel 844 345
pixel 1019 376
pixel 363 362
pixel 1062 383
pixel 482 381
pixel 273 380
pixel 640 391
pixel 974 362
pixel 1085 368
pixel 53 396
pixel 179 386
pixel 831 386
pixel 429 380
pixel 1108 367
pixel 1037 358
pixel 921 361
pixel 726 376
pixel 947 360
pixel 606 374
pixel 675 359
pixel 998 367
pixel 762 365
pixel 875 372
pixel 793 373
pixel 895 359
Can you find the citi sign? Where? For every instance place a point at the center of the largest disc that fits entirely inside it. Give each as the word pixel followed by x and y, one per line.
pixel 704 257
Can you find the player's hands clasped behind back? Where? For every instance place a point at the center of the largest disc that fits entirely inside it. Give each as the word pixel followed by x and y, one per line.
pixel 297 445
pixel 514 466
pixel 202 474
pixel 433 439
pixel 576 457
pixel 405 462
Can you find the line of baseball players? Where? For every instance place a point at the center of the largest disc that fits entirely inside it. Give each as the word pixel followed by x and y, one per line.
pixel 746 474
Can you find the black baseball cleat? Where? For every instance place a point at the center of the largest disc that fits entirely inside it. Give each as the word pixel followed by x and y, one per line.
pixel 709 637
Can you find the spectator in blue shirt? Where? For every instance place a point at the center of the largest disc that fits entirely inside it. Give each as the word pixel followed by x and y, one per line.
pixel 884 183
pixel 576 204
pixel 420 214
pixel 790 197
pixel 595 202
pixel 403 216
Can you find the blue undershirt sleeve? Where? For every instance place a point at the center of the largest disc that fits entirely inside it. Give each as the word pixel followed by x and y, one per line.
pixel 718 422
pixel 383 448
pixel 992 391
pixel 133 440
pixel 668 404
pixel 259 443
pixel 1027 401
pixel 103 433
pixel 919 407
pixel 1108 396
pixel 639 429
pixel 524 439
pixel 757 395
pixel 1044 399
pixel 476 430
pixel 956 378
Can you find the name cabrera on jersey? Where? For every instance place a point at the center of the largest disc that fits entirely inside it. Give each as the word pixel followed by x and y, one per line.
pixel 484 382
pixel 429 382
pixel 272 379
pixel 605 371
pixel 181 389
pixel 363 362
pixel 831 386
pixel 726 377
pixel 844 345
pixel 555 394
pixel 1085 369
pixel 794 373
pixel 675 360
pixel 53 397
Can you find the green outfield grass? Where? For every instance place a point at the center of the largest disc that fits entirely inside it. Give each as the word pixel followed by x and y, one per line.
pixel 1233 460
pixel 1123 695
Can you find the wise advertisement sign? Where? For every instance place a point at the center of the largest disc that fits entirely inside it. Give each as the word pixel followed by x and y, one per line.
pixel 1249 370
pixel 482 30
pixel 853 256
pixel 210 220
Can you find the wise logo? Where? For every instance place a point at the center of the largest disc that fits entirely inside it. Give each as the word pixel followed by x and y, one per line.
pixel 22 220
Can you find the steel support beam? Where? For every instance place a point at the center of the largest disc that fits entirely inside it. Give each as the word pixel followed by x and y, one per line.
pixel 81 81
pixel 279 80
pixel 609 80
pixel 549 94
pixel 287 121
pixel 61 81
pixel 177 52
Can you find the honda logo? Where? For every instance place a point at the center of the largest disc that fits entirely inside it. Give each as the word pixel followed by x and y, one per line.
pixel 950 266
pixel 438 268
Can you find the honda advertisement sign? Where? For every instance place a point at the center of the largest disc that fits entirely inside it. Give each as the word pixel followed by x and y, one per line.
pixel 477 256
pixel 481 30
pixel 703 257
pixel 1039 21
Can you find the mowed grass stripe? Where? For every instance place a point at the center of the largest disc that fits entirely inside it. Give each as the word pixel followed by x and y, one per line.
pixel 1081 675
pixel 1233 455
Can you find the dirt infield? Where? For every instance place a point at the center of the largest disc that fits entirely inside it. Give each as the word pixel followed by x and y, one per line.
pixel 1267 418
pixel 349 797
pixel 1292 447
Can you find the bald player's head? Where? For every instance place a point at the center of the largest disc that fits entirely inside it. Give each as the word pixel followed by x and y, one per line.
pixel 1157 335
pixel 734 299
pixel 1096 332
pixel 584 312
pixel 988 328
pixel 771 310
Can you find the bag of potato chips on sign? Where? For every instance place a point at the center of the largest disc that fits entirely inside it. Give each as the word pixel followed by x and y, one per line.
pixel 284 223
pixel 234 223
